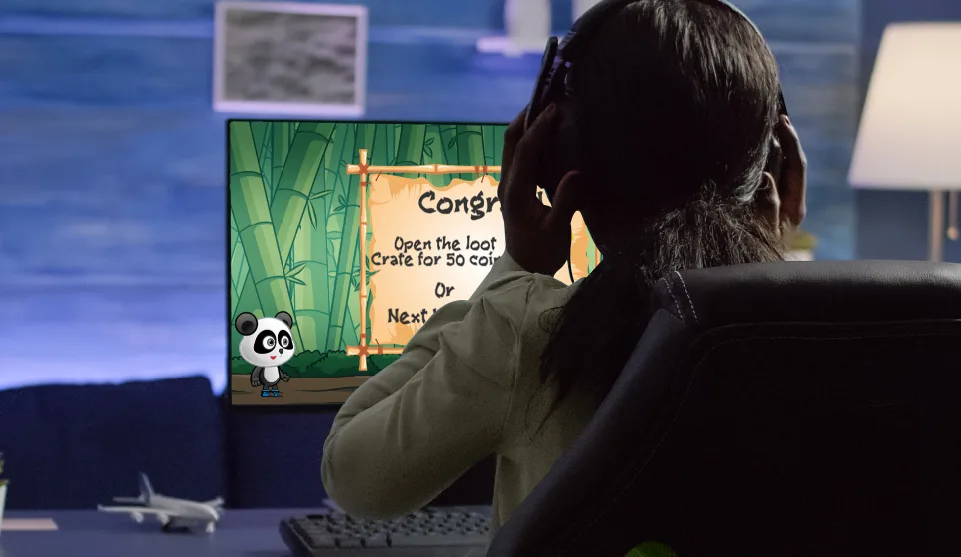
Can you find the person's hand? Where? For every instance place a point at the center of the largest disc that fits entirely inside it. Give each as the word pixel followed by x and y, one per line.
pixel 538 237
pixel 792 183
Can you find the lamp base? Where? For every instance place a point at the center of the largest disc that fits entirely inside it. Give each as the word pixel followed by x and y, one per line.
pixel 936 222
pixel 3 497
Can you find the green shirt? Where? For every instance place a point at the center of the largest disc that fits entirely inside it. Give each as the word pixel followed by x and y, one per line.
pixel 467 386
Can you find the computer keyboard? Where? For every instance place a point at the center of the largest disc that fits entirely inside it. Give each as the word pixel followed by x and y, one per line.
pixel 432 532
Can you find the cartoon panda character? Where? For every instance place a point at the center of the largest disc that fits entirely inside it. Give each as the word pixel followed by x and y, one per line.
pixel 266 345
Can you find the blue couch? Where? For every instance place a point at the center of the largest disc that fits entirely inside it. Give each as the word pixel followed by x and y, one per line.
pixel 74 446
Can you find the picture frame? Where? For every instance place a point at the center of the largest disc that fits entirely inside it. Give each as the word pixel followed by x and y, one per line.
pixel 270 58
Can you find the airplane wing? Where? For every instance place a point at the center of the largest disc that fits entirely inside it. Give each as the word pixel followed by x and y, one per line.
pixel 218 502
pixel 141 510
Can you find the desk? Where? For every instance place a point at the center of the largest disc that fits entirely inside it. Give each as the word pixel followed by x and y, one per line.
pixel 250 533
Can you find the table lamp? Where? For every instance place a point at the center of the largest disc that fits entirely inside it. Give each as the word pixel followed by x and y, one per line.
pixel 910 132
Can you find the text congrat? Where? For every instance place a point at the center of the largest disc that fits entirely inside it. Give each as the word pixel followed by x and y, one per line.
pixel 477 206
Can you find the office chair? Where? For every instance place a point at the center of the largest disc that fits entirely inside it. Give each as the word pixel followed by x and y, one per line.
pixel 771 410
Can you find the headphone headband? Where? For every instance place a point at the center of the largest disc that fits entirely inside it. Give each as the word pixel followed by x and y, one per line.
pixel 586 25
pixel 562 54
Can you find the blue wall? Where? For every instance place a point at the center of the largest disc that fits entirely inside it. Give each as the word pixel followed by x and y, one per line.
pixel 474 14
pixel 892 224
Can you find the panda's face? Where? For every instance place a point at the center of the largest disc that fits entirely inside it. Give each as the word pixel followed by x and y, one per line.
pixel 269 345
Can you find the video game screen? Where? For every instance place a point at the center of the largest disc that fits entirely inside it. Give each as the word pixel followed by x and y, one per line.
pixel 345 237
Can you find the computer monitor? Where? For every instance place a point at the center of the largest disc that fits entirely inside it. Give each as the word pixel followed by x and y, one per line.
pixel 345 237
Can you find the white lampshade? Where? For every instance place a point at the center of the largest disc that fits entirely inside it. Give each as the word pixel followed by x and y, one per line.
pixel 910 133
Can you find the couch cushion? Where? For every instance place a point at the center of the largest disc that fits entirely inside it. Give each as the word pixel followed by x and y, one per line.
pixel 74 446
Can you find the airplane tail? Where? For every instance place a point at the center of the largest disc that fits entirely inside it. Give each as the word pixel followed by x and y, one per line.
pixel 146 490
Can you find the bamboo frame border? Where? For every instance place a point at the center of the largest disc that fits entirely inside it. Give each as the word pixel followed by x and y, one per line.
pixel 363 348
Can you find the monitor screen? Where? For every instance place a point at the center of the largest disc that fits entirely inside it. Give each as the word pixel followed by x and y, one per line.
pixel 345 237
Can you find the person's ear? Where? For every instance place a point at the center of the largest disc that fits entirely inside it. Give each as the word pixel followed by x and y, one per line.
pixel 792 181
pixel 768 202
pixel 780 204
pixel 793 207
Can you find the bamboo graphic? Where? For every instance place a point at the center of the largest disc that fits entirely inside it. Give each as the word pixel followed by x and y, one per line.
pixel 280 147
pixel 290 197
pixel 410 146
pixel 349 241
pixel 296 178
pixel 311 295
pixel 251 212
pixel 470 145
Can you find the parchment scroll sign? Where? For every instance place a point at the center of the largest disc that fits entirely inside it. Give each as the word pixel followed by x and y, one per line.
pixel 429 246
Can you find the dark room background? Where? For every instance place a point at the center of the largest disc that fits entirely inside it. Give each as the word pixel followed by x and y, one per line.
pixel 112 218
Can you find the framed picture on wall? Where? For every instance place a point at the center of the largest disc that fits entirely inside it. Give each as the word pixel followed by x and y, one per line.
pixel 290 58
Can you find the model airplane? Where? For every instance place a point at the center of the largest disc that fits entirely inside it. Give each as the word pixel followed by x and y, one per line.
pixel 170 512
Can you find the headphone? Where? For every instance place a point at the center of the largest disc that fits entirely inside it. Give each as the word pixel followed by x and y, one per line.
pixel 553 85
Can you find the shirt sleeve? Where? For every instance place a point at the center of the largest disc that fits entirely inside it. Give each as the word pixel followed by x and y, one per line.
pixel 504 269
pixel 424 344
pixel 411 430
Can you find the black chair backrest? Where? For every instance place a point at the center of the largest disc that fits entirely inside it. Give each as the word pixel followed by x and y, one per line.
pixel 771 410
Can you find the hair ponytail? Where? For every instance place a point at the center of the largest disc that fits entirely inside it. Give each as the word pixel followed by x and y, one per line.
pixel 594 333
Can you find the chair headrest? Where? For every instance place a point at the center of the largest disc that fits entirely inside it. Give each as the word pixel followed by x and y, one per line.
pixel 820 291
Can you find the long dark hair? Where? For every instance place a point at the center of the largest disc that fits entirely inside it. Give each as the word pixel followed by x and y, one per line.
pixel 678 100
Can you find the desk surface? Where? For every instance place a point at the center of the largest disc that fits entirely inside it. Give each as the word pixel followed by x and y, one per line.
pixel 252 533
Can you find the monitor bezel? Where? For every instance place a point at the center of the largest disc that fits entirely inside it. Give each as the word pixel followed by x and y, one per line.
pixel 321 407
